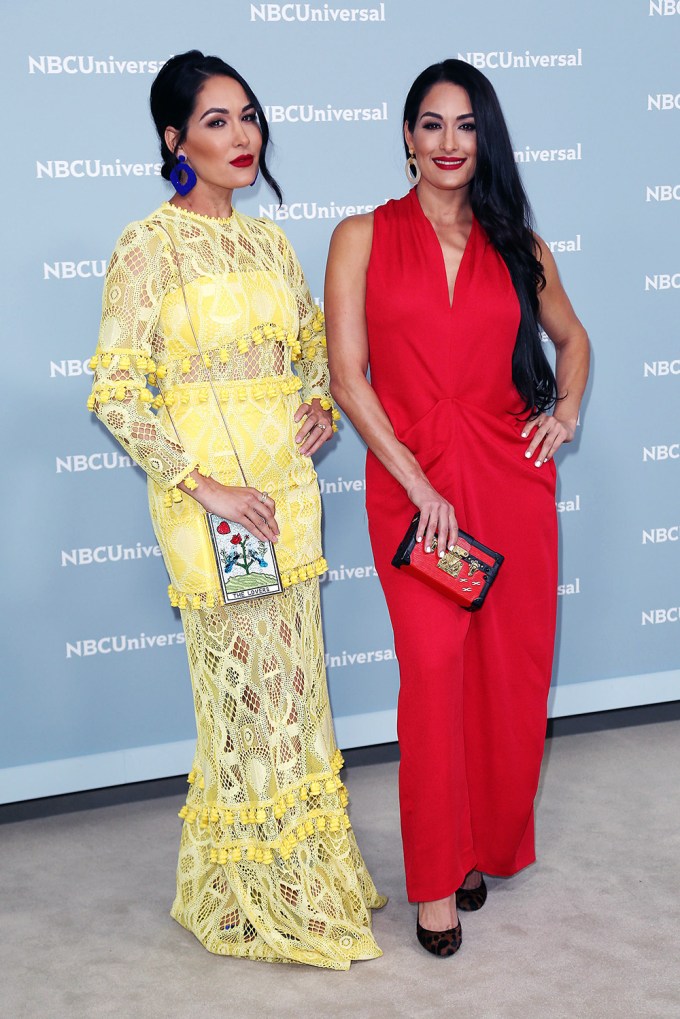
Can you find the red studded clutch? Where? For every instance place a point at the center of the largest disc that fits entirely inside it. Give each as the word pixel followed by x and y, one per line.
pixel 463 575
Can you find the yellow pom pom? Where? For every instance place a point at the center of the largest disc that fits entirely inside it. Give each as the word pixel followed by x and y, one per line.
pixel 104 395
pixel 325 403
pixel 93 362
pixel 182 601
pixel 161 371
pixel 250 853
pixel 91 402
pixel 235 855
pixel 261 816
pixel 121 392
pixel 186 365
pixel 259 856
pixel 183 812
pixel 124 362
pixel 257 337
pixel 290 799
pixel 301 832
pixel 223 856
pixel 196 604
pixel 106 360
pixel 321 823
pixel 315 788
pixel 214 815
pixel 303 793
pixel 208 362
pixel 330 786
pixel 224 355
pixel 228 817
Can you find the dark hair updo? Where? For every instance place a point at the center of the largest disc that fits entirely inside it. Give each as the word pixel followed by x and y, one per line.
pixel 173 100
pixel 500 205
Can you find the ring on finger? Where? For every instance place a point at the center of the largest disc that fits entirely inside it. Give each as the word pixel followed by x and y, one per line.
pixel 264 496
pixel 321 425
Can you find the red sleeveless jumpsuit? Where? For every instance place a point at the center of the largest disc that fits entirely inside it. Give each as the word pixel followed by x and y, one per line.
pixel 473 687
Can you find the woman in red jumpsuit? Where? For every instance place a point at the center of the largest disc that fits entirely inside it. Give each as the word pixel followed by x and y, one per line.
pixel 442 294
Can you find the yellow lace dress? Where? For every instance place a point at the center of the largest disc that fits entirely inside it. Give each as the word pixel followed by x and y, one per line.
pixel 268 864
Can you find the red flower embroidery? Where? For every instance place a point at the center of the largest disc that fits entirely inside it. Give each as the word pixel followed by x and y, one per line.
pixel 237 539
pixel 223 527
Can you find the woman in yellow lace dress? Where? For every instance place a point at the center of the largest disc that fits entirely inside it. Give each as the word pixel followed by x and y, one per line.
pixel 268 865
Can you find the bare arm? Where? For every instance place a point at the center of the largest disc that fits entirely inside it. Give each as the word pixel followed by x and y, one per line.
pixel 345 306
pixel 572 346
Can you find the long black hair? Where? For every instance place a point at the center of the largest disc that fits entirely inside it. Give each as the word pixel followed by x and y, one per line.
pixel 500 205
pixel 173 100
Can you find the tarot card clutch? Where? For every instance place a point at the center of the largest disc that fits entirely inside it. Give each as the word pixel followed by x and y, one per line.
pixel 464 575
pixel 246 565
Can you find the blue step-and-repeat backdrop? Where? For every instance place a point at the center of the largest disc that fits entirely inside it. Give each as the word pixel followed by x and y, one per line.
pixel 95 685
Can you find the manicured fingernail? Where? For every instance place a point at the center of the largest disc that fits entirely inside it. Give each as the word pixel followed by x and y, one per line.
pixel 427 548
pixel 441 554
pixel 527 454
pixel 538 463
pixel 524 435
pixel 419 537
pixel 451 548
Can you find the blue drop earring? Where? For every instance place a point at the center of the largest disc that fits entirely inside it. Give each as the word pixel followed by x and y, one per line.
pixel 182 167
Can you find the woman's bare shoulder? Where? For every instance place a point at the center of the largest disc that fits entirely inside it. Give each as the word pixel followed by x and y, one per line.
pixel 353 237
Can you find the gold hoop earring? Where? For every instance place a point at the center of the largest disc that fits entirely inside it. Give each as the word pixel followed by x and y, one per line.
pixel 411 169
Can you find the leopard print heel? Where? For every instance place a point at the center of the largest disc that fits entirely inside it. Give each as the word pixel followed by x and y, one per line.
pixel 441 943
pixel 471 899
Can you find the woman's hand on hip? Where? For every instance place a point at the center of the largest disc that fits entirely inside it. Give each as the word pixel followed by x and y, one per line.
pixel 550 433
pixel 247 506
pixel 316 429
pixel 437 516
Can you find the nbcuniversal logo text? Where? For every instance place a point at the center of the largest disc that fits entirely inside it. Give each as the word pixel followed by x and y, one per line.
pixel 312 210
pixel 663 101
pixel 663 281
pixel 661 453
pixel 108 554
pixel 663 193
pixel 78 462
pixel 59 169
pixel 665 8
pixel 314 12
pixel 84 269
pixel 308 113
pixel 529 155
pixel 52 64
pixel 505 59
pixel 661 369
pixel 120 643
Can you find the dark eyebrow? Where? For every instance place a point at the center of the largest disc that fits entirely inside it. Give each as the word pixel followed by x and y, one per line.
pixel 222 109
pixel 438 116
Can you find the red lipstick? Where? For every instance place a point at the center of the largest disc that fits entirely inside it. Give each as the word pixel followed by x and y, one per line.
pixel 448 164
pixel 242 161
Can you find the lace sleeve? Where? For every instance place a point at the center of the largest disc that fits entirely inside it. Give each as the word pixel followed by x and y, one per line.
pixel 312 364
pixel 136 280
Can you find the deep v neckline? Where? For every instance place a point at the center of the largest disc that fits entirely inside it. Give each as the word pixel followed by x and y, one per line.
pixel 450 298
